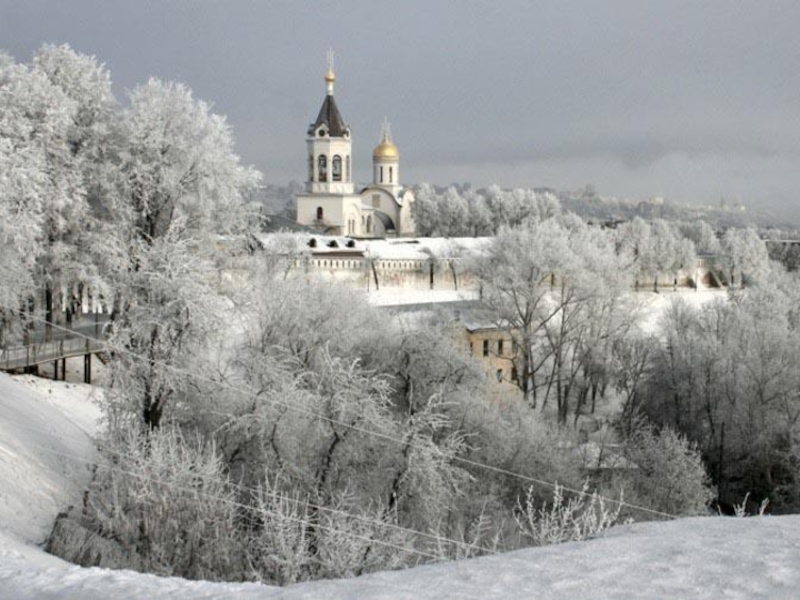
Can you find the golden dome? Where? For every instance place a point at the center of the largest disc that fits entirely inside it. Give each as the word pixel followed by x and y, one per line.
pixel 386 149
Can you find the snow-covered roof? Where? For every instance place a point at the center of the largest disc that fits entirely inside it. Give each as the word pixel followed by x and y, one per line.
pixel 394 248
pixel 424 248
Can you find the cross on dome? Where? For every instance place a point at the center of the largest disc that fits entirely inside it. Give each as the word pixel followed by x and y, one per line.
pixel 386 130
pixel 330 76
pixel 330 59
pixel 386 150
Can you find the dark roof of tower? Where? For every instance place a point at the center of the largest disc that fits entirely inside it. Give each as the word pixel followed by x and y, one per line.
pixel 330 116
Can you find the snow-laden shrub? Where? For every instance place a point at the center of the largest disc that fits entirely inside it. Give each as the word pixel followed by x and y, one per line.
pixel 166 498
pixel 568 518
pixel 292 537
pixel 667 474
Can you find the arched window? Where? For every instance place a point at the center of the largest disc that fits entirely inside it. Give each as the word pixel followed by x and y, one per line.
pixel 347 168
pixel 323 168
pixel 311 168
pixel 391 169
pixel 336 168
pixel 381 174
pixel 369 224
pixel 319 213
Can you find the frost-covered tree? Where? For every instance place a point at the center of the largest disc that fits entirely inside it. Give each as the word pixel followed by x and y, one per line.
pixel 665 473
pixel 556 288
pixel 466 213
pixel 181 187
pixel 726 378
pixel 42 196
pixel 744 253
pixel 56 159
pixel 92 161
pixel 516 275
pixel 702 235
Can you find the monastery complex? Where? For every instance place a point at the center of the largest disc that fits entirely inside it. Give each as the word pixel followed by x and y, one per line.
pixel 331 203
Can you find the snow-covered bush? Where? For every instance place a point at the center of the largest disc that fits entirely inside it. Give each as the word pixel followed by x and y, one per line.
pixel 667 472
pixel 166 498
pixel 569 517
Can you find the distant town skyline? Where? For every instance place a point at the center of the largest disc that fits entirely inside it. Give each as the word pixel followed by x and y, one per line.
pixel 690 101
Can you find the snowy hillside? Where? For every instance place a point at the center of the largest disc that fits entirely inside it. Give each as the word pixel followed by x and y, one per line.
pixel 44 427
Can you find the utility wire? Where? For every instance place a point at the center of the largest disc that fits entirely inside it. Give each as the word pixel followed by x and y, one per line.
pixel 241 505
pixel 310 413
pixel 278 495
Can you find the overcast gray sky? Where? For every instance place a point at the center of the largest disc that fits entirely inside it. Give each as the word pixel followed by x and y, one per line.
pixel 689 100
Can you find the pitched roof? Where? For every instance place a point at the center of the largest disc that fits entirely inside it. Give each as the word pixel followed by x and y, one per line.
pixel 330 116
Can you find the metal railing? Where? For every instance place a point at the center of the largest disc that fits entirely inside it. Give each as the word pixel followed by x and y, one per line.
pixel 42 352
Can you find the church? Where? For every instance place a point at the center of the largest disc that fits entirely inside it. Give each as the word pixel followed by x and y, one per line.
pixel 331 204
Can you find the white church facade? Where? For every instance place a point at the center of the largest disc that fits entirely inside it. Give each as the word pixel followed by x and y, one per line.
pixel 331 203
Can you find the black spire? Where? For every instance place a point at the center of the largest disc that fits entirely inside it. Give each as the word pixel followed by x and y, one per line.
pixel 330 116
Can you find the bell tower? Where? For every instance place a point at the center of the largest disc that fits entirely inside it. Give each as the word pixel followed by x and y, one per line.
pixel 329 146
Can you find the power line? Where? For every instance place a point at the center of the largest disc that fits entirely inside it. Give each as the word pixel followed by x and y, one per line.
pixel 245 506
pixel 310 413
pixel 278 495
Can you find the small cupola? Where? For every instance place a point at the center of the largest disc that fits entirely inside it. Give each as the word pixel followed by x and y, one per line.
pixel 386 150
pixel 386 162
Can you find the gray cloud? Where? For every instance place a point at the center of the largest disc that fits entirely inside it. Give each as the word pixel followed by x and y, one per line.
pixel 685 99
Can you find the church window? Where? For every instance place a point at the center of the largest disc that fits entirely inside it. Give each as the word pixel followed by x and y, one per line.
pixel 514 375
pixel 319 213
pixel 486 347
pixel 369 224
pixel 336 168
pixel 499 375
pixel 311 168
pixel 347 168
pixel 323 168
pixel 381 174
pixel 391 171
pixel 499 347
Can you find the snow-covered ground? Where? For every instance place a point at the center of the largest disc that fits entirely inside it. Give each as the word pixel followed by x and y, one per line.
pixel 45 448
pixel 400 296
pixel 652 306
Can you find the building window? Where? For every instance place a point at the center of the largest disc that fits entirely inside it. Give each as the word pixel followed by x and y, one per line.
pixel 347 168
pixel 369 224
pixel 471 349
pixel 323 168
pixel 499 347
pixel 381 174
pixel 486 347
pixel 514 346
pixel 336 168
pixel 514 376
pixel 391 174
pixel 499 375
pixel 319 213
pixel 311 168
